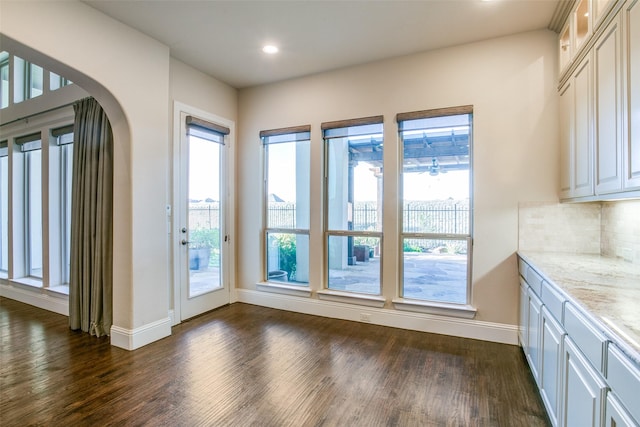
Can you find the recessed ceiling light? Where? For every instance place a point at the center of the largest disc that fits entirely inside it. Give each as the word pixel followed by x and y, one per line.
pixel 270 49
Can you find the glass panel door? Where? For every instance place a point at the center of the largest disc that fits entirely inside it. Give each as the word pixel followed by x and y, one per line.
pixel 202 283
pixel 204 216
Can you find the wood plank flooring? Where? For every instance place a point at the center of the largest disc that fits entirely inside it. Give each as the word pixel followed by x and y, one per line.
pixel 244 365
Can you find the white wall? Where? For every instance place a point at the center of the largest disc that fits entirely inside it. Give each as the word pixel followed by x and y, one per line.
pixel 511 83
pixel 136 82
pixel 128 73
pixel 191 87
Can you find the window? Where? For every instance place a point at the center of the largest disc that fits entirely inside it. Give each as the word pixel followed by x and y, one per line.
pixel 436 204
pixel 30 146
pixel 286 191
pixel 56 81
pixel 4 79
pixel 4 207
pixel 353 204
pixel 64 143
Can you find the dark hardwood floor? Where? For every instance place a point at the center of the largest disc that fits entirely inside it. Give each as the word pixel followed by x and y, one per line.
pixel 245 365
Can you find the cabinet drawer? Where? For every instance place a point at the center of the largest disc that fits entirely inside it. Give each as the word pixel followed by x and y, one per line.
pixel 522 268
pixel 591 342
pixel 553 300
pixel 624 379
pixel 534 280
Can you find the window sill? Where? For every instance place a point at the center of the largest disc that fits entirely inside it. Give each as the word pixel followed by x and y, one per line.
pixel 28 281
pixel 430 307
pixel 350 298
pixel 282 288
pixel 59 290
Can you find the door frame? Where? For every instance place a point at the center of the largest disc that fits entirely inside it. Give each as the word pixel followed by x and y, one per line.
pixel 173 215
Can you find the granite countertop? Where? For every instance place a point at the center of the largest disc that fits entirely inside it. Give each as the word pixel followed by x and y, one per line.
pixel 607 289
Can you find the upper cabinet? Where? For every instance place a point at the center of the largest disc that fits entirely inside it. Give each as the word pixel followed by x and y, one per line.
pixel 631 57
pixel 599 51
pixel 581 23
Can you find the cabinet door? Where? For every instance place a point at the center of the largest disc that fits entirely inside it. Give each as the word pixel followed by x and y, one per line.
pixel 524 315
pixel 550 364
pixel 608 110
pixel 631 157
pixel 533 348
pixel 582 154
pixel 567 126
pixel 615 415
pixel 583 391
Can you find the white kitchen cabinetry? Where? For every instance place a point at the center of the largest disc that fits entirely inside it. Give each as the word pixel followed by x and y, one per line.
pixel 616 415
pixel 583 148
pixel 600 101
pixel 631 49
pixel 567 139
pixel 523 329
pixel 583 390
pixel 624 379
pixel 584 377
pixel 576 126
pixel 551 340
pixel 609 107
pixel 533 347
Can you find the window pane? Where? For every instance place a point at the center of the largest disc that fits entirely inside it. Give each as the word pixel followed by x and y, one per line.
pixel 4 213
pixel 33 212
pixel 436 176
pixel 435 270
pixel 36 78
pixel 354 264
pixel 54 81
pixel 288 258
pixel 354 183
pixel 4 79
pixel 204 216
pixel 288 180
pixel 19 83
pixel 66 170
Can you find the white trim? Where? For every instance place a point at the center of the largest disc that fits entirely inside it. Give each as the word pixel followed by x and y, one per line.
pixel 131 339
pixel 351 298
pixel 438 324
pixel 428 307
pixel 38 297
pixel 281 288
pixel 174 215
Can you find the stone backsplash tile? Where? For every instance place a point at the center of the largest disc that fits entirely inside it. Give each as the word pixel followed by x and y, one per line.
pixel 620 235
pixel 560 227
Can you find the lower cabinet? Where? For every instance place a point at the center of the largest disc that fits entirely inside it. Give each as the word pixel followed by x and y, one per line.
pixel 551 339
pixel 616 416
pixel 583 390
pixel 533 348
pixel 584 377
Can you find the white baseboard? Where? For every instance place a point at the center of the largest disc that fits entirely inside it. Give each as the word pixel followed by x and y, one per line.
pixel 131 339
pixel 460 327
pixel 37 297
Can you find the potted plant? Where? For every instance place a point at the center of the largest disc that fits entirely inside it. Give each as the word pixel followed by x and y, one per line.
pixel 201 242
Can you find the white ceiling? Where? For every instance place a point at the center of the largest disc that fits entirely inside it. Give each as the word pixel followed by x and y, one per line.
pixel 224 38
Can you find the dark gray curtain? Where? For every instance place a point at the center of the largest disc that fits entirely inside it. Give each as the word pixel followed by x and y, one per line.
pixel 91 270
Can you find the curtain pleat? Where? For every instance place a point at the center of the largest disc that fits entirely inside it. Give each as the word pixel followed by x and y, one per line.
pixel 91 269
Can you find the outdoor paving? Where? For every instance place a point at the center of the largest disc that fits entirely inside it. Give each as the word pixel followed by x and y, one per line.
pixel 427 276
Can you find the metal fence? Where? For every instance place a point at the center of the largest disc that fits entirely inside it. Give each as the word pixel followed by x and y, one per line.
pixel 444 217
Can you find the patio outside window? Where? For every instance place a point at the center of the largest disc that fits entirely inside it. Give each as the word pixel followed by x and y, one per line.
pixel 286 191
pixel 436 205
pixel 353 203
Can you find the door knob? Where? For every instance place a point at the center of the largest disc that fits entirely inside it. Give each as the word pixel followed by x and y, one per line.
pixel 184 242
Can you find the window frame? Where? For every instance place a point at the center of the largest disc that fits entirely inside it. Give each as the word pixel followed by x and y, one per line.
pixel 335 130
pixel 27 146
pixel 289 135
pixel 402 301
